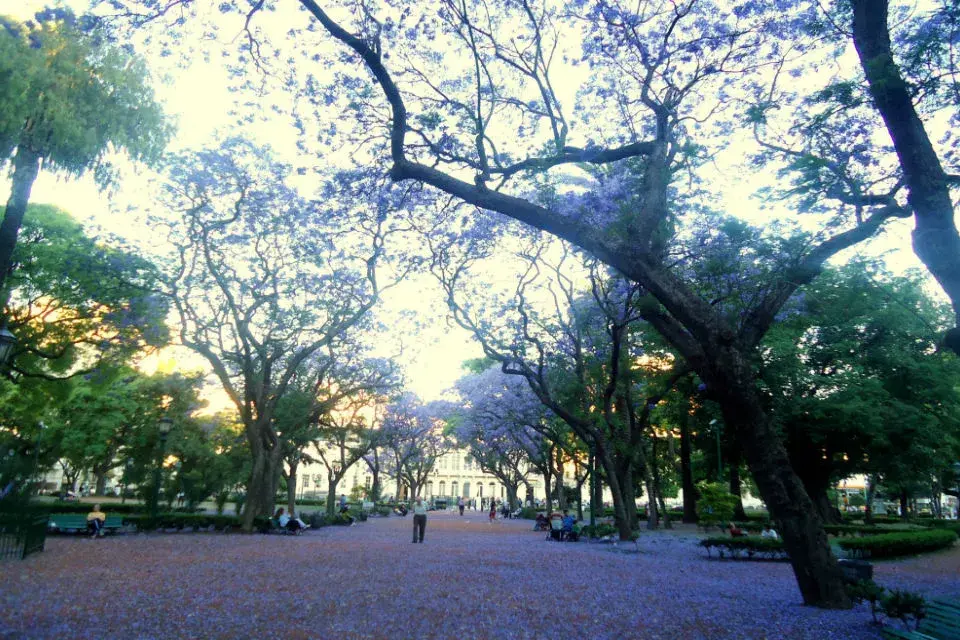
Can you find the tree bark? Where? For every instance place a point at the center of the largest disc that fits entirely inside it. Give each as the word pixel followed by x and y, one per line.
pixel 331 505
pixel 292 488
pixel 804 538
pixel 904 505
pixel 686 474
pixel 871 494
pixel 26 167
pixel 262 486
pixel 935 238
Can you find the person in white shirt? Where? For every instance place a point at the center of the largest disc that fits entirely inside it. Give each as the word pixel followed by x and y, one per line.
pixel 419 518
pixel 768 532
pixel 291 524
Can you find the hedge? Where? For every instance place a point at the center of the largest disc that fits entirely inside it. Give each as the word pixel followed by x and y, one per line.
pixel 890 545
pixel 602 529
pixel 751 546
pixel 180 521
pixel 843 530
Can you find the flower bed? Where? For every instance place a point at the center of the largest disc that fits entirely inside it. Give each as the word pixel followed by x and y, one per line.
pixel 747 548
pixel 853 530
pixel 890 545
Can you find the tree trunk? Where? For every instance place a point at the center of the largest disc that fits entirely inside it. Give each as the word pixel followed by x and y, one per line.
pixel 871 494
pixel 547 479
pixel 804 538
pixel 935 238
pixel 827 511
pixel 262 487
pixel 26 167
pixel 904 504
pixel 332 483
pixel 686 474
pixel 100 476
pixel 375 489
pixel 292 488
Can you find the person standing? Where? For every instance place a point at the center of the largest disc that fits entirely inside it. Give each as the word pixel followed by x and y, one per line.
pixel 461 504
pixel 419 519
pixel 493 510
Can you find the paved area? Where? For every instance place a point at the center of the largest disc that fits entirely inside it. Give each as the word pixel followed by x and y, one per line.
pixel 470 579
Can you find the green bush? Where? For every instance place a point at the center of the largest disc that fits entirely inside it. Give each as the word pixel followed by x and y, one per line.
pixel 890 545
pixel 749 546
pixel 716 505
pixel 599 531
pixel 843 530
pixel 180 521
pixel 528 513
pixel 867 591
pixel 905 606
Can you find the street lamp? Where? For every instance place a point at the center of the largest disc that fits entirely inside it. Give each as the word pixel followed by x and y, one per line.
pixel 719 458
pixel 164 427
pixel 7 342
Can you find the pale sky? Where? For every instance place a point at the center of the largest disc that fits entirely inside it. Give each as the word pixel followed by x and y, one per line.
pixel 197 99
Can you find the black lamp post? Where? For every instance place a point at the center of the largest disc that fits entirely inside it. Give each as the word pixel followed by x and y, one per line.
pixel 165 425
pixel 7 342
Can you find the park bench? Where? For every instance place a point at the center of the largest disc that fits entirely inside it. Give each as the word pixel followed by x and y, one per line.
pixel 942 622
pixel 77 522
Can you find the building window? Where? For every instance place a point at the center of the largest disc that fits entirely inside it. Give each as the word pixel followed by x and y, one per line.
pixel 468 463
pixel 430 489
pixel 454 487
pixel 466 489
pixel 443 488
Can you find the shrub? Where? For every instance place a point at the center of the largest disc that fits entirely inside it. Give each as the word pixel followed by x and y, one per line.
pixel 180 521
pixel 842 530
pixel 905 606
pixel 85 507
pixel 716 505
pixel 890 545
pixel 750 546
pixel 382 510
pixel 867 591
pixel 599 531
pixel 528 513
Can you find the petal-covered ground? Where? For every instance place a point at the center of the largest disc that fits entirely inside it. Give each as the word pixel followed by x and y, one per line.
pixel 471 579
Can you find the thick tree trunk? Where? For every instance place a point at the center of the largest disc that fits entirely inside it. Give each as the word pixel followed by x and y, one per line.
pixel 620 480
pixel 871 494
pixel 904 505
pixel 804 538
pixel 375 490
pixel 26 166
pixel 827 511
pixel 935 238
pixel 262 487
pixel 292 489
pixel 686 475
pixel 547 480
pixel 331 505
pixel 100 476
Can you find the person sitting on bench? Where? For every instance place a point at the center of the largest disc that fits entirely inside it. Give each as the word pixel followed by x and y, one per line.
pixel 736 532
pixel 290 524
pixel 556 527
pixel 95 521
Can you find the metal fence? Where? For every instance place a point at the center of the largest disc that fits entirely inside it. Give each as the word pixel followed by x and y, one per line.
pixel 21 534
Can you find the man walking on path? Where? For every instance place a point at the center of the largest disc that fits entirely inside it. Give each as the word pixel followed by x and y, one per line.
pixel 419 518
pixel 461 504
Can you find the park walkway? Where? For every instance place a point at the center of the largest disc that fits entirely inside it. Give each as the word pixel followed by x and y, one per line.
pixel 470 579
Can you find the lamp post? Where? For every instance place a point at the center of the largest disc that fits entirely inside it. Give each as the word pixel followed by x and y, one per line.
pixel 7 342
pixel 715 423
pixel 164 427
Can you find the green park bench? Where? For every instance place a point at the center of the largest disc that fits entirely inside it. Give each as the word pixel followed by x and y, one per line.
pixel 77 522
pixel 942 622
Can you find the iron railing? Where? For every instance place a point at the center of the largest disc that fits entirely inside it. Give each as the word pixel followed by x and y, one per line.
pixel 22 534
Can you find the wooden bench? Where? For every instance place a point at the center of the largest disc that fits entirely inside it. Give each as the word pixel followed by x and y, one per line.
pixel 77 522
pixel 942 622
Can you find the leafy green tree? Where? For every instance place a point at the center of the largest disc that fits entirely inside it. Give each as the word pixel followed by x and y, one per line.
pixel 76 304
pixel 858 385
pixel 68 98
